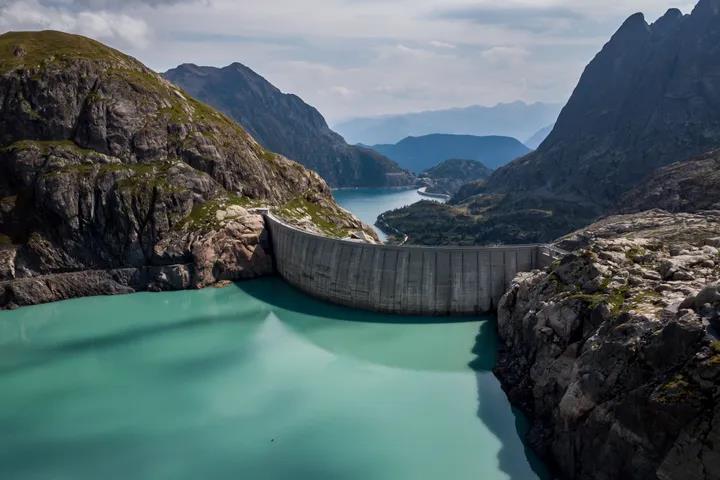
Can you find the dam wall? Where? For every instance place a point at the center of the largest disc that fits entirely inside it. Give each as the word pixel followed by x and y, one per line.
pixel 408 280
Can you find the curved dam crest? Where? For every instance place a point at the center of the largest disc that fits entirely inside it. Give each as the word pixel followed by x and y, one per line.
pixel 407 280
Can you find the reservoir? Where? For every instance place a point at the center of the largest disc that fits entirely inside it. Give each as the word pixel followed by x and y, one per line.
pixel 254 381
pixel 368 203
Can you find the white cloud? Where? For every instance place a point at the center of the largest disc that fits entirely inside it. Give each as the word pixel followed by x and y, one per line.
pixel 439 44
pixel 119 28
pixel 357 57
pixel 505 55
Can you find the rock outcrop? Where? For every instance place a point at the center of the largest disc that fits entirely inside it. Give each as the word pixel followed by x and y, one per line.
pixel 689 186
pixel 285 124
pixel 108 169
pixel 614 351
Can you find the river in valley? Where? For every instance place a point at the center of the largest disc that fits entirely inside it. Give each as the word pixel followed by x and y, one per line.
pixel 368 203
pixel 253 381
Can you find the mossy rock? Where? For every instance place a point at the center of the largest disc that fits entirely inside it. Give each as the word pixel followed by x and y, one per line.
pixel 34 49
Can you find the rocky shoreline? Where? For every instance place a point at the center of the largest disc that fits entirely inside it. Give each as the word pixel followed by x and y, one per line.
pixel 614 352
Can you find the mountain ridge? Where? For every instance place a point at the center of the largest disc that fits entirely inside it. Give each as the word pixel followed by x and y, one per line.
pixel 515 119
pixel 424 152
pixel 284 123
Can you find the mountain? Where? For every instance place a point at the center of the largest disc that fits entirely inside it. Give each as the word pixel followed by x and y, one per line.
pixel 285 124
pixel 113 180
pixel 447 177
pixel 650 98
pixel 538 138
pixel 689 186
pixel 517 119
pixel 420 153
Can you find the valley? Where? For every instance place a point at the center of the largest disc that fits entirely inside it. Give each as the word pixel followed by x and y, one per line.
pixel 200 278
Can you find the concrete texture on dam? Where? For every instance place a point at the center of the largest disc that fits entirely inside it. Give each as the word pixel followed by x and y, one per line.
pixel 410 280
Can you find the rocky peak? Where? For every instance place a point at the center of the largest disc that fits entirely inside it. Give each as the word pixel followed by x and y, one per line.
pixel 633 29
pixel 667 22
pixel 707 7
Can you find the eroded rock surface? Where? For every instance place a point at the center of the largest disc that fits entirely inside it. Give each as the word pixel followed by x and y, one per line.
pixel 614 351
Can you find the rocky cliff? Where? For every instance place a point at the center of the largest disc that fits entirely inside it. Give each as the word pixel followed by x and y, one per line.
pixel 114 180
pixel 614 352
pixel 689 186
pixel 284 123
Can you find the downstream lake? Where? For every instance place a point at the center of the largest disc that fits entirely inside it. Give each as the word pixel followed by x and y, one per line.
pixel 254 381
pixel 368 203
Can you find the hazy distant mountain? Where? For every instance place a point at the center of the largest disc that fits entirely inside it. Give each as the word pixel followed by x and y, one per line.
pixel 536 140
pixel 517 119
pixel 421 153
pixel 447 177
pixel 285 124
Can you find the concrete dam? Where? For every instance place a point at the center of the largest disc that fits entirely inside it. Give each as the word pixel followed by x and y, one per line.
pixel 408 280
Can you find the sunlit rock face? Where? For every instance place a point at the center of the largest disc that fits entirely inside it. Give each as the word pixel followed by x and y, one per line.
pixel 614 351
pixel 108 169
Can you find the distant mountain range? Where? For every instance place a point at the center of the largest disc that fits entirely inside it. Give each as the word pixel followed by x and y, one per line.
pixel 650 98
pixel 421 153
pixel 517 119
pixel 285 124
pixel 447 177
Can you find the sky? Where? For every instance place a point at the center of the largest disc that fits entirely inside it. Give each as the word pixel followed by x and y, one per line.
pixel 355 58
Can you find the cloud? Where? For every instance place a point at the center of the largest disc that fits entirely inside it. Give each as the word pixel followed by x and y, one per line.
pixel 122 29
pixel 360 57
pixel 342 91
pixel 103 5
pixel 439 44
pixel 524 17
pixel 505 55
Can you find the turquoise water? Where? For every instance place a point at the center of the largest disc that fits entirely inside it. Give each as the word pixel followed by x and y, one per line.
pixel 368 203
pixel 254 381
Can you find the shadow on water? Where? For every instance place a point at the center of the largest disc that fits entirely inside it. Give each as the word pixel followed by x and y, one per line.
pixel 491 399
pixel 376 338
pixel 278 293
pixel 39 356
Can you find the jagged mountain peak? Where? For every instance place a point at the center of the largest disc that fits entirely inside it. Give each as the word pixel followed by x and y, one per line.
pixel 707 7
pixel 635 28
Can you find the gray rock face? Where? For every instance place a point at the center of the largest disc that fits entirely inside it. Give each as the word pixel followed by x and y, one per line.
pixel 285 124
pixel 614 351
pixel 689 186
pixel 106 167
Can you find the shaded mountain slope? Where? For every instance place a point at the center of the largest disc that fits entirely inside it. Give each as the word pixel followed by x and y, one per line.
pixel 285 124
pixel 689 186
